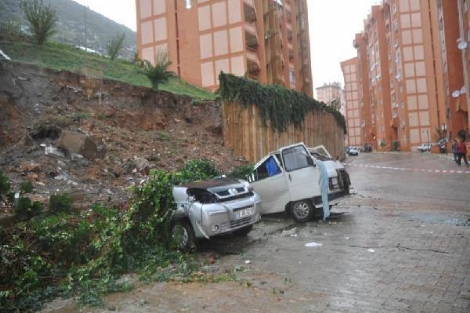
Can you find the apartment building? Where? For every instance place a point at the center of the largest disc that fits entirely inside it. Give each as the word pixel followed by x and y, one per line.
pixel 368 112
pixel 331 94
pixel 353 107
pixel 415 82
pixel 264 40
pixel 453 43
pixel 463 45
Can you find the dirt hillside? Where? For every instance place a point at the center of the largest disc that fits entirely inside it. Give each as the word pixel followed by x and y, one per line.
pixel 94 139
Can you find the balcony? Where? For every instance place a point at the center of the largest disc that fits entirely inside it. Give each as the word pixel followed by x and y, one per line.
pixel 289 34
pixel 355 44
pixel 288 16
pixel 251 37
pixel 252 62
pixel 291 53
pixel 250 11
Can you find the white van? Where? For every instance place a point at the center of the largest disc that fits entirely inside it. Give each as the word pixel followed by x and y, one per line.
pixel 288 180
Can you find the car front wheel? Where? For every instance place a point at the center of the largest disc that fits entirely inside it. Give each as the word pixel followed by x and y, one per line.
pixel 302 211
pixel 183 236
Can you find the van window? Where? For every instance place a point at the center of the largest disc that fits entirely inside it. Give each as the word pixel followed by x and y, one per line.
pixel 295 158
pixel 266 169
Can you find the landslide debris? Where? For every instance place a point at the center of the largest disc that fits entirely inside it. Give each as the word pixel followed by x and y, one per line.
pixel 93 139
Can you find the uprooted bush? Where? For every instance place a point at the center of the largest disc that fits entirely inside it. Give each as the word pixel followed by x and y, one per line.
pixel 82 254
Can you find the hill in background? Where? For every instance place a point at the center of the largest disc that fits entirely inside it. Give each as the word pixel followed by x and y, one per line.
pixel 77 25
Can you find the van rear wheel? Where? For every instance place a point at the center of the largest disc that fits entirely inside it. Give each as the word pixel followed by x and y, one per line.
pixel 302 211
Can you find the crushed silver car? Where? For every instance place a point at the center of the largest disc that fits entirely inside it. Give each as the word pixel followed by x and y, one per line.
pixel 215 207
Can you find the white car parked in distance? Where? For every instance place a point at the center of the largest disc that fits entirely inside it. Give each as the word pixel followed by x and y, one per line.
pixel 425 147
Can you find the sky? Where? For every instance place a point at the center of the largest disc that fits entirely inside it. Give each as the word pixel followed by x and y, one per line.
pixel 333 25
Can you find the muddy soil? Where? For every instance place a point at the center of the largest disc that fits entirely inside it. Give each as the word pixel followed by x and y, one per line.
pixel 135 130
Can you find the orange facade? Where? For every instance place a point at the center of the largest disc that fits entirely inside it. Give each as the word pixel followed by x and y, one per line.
pixel 330 94
pixel 265 40
pixel 353 108
pixel 408 53
pixel 459 104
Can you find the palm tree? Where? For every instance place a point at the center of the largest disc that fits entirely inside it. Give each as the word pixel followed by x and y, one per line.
pixel 159 73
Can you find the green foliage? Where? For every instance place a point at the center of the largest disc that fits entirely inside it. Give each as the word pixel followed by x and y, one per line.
pixel 276 104
pixel 164 135
pixel 4 187
pixel 60 203
pixel 197 170
pixel 241 171
pixel 79 116
pixel 83 254
pixel 60 237
pixel 12 29
pixel 41 19
pixel 150 212
pixel 67 58
pixel 115 45
pixel 152 204
pixel 24 208
pixel 26 186
pixel 159 73
pixel 99 29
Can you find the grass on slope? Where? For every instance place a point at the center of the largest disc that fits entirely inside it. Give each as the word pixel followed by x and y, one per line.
pixel 64 57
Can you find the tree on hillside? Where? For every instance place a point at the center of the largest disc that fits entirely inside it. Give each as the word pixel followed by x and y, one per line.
pixel 41 19
pixel 159 73
pixel 115 45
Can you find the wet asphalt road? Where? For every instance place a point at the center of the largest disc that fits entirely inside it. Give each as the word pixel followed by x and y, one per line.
pixel 399 243
pixel 434 180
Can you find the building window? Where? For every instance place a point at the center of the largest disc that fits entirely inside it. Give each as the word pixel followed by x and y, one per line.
pixel 292 76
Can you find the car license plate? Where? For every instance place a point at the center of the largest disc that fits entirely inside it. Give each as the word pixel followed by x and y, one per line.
pixel 243 213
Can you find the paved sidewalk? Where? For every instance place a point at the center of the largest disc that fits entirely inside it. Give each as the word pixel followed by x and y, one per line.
pixel 373 260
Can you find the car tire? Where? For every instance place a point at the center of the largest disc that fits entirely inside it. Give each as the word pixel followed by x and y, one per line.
pixel 183 237
pixel 243 231
pixel 302 211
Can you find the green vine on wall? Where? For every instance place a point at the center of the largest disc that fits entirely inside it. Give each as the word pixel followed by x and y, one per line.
pixel 279 105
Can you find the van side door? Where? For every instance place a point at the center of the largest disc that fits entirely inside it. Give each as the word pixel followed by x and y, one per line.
pixel 302 175
pixel 268 181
